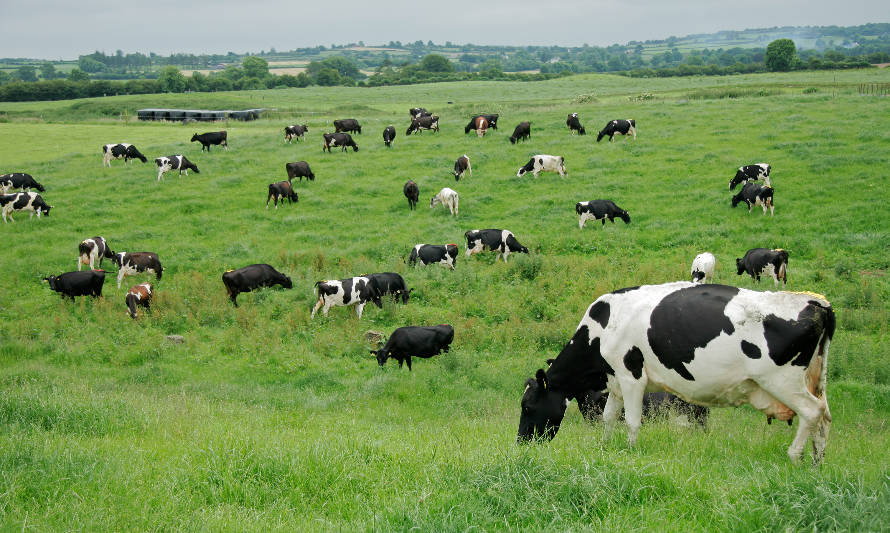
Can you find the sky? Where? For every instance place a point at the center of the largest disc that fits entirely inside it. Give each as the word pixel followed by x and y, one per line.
pixel 65 29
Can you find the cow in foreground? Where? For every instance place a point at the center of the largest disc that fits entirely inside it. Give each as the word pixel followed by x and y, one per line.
pixel 281 191
pixel 543 163
pixel 428 254
pixel 350 125
pixel 711 345
pixel 91 252
pixel 252 277
pixel 296 131
pixel 428 122
pixel 574 124
pixel 621 127
pixel 759 171
pixel 703 268
pixel 522 132
pixel 755 194
pixel 600 210
pixel 491 119
pixel 497 240
pixel 140 295
pixel 356 291
pixel 130 263
pixel 763 261
pixel 175 162
pixel 71 284
pixel 212 138
pixel 462 166
pixel 389 134
pixel 19 180
pixel 447 197
pixel 338 139
pixel 23 201
pixel 390 283
pixel 412 193
pixel 125 151
pixel 299 169
pixel 415 341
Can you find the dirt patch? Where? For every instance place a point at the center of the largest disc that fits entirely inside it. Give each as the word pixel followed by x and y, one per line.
pixel 881 65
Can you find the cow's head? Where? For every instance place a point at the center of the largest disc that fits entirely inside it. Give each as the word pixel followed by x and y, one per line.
pixel 625 217
pixel 52 281
pixel 739 178
pixel 287 283
pixel 602 134
pixel 353 145
pixel 44 209
pixel 737 198
pixel 405 295
pixel 118 258
pixel 740 266
pixel 194 138
pixel 381 354
pixel 542 410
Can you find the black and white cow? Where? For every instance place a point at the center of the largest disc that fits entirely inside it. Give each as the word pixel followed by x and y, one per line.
pixel 175 162
pixel 280 191
pixel 296 131
pixel 447 197
pixel 130 263
pixel 212 138
pixel 711 345
pixel 338 139
pixel 123 151
pixel 426 122
pixel 253 277
pixel 498 240
pixel 347 124
pixel 763 261
pixel 71 284
pixel 622 127
pixel 418 112
pixel 415 341
pixel 389 134
pixel 543 163
pixel 23 201
pixel 390 283
pixel 428 254
pixel 522 132
pixel 140 295
pixel 758 171
pixel 462 166
pixel 355 291
pixel 574 124
pixel 600 210
pixel 703 267
pixel 299 169
pixel 18 180
pixel 91 252
pixel 755 194
pixel 412 193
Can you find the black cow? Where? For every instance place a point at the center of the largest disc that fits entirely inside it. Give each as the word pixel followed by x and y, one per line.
pixel 418 112
pixel 299 169
pixel 175 162
pixel 347 124
pixel 71 284
pixel 491 119
pixel 574 124
pixel 426 122
pixel 600 210
pixel 751 173
pixel 461 166
pixel 91 252
pixel 140 295
pixel 623 127
pixel 522 132
pixel 415 341
pixel 123 151
pixel 213 137
pixel 338 139
pixel 758 261
pixel 389 133
pixel 427 254
pixel 280 191
pixel 390 283
pixel 252 277
pixel 18 180
pixel 290 132
pixel 755 194
pixel 498 240
pixel 412 193
pixel 23 201
pixel 134 262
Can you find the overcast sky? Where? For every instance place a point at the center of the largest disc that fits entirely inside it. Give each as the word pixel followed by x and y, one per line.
pixel 54 29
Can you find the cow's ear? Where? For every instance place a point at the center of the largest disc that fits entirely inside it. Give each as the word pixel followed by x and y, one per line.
pixel 541 377
pixel 373 352
pixel 550 362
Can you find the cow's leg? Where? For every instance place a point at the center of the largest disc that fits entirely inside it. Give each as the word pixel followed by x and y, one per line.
pixel 634 131
pixel 581 221
pixel 358 309
pixel 614 404
pixel 632 391
pixel 268 198
pixel 120 276
pixel 318 304
pixel 408 362
pixel 810 410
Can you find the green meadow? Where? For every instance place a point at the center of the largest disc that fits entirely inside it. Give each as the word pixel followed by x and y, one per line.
pixel 266 420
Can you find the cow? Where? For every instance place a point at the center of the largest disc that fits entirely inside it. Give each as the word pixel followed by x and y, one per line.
pixel 763 261
pixel 390 283
pixel 703 268
pixel 712 345
pixel 71 284
pixel 428 254
pixel 522 132
pixel 545 163
pixel 462 166
pixel 252 277
pixel 280 191
pixel 447 197
pixel 23 201
pixel 295 132
pixel 418 112
pixel 91 251
pixel 575 125
pixel 600 210
pixel 140 295
pixel 412 193
pixel 427 122
pixel 134 262
pixel 347 125
pixel 299 169
pixel 175 162
pixel 481 126
pixel 212 137
pixel 338 139
pixel 123 151
pixel 498 240
pixel 755 194
pixel 389 134
pixel 748 173
pixel 415 341
pixel 623 127
pixel 355 291
pixel 18 180
pixel 492 122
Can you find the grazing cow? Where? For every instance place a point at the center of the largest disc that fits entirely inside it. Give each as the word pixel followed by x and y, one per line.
pixel 347 124
pixel 134 262
pixel 492 122
pixel 447 197
pixel 296 131
pixel 763 261
pixel 175 162
pixel 461 166
pixel 338 139
pixel 18 180
pixel 252 277
pixel 389 134
pixel 751 173
pixel 123 151
pixel 703 268
pixel 755 194
pixel 427 254
pixel 71 284
pixel 412 193
pixel 623 127
pixel 140 295
pixel 481 126
pixel 279 191
pixel 712 345
pixel 299 169
pixel 498 240
pixel 522 132
pixel 427 122
pixel 600 210
pixel 23 201
pixel 213 137
pixel 418 112
pixel 355 291
pixel 545 163
pixel 415 341
pixel 390 283
pixel 574 124
pixel 91 251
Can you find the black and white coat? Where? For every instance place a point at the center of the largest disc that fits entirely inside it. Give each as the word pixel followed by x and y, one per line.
pixel 356 291
pixel 574 124
pixel 18 180
pixel 125 151
pixel 130 263
pixel 758 171
pixel 755 194
pixel 703 268
pixel 447 197
pixel 23 201
pixel 462 166
pixel 543 163
pixel 91 252
pixel 342 140
pixel 764 262
pixel 498 240
pixel 296 131
pixel 389 134
pixel 175 162
pixel 621 127
pixel 600 210
pixel 429 254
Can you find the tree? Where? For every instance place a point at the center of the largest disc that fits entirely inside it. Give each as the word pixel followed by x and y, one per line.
pixel 48 71
pixel 26 73
pixel 78 75
pixel 255 67
pixel 88 64
pixel 327 77
pixel 780 55
pixel 436 63
pixel 171 80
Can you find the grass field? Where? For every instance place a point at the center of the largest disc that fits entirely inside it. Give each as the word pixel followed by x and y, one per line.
pixel 266 420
